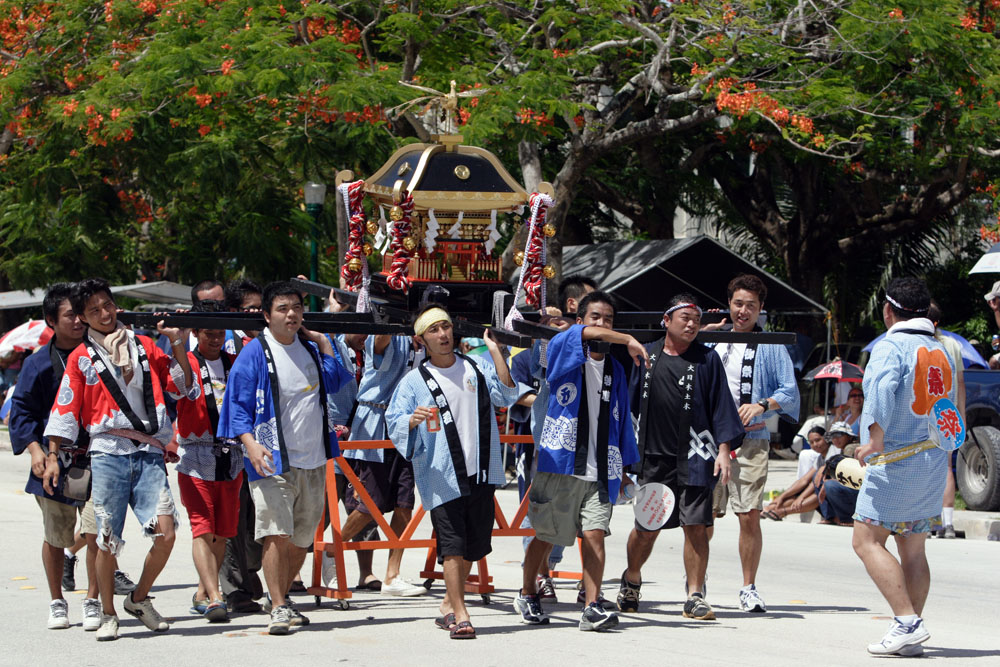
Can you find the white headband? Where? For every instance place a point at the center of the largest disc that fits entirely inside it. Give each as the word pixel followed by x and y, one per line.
pixel 432 316
pixel 901 306
pixel 683 305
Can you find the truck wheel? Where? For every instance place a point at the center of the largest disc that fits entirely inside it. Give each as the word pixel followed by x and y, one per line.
pixel 978 471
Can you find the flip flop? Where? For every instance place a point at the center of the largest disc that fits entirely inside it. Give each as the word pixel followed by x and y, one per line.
pixel 463 630
pixel 373 585
pixel 446 622
pixel 770 515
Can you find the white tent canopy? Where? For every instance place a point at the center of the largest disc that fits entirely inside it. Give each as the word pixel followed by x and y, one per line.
pixel 160 291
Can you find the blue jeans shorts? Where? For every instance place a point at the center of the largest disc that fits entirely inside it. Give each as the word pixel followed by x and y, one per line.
pixel 137 480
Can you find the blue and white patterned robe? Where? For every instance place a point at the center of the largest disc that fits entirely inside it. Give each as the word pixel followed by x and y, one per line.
pixel 556 449
pixel 433 468
pixel 248 406
pixel 911 489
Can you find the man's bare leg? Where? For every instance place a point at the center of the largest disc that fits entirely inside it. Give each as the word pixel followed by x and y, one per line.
pixel 295 556
pixel 456 573
pixel 916 571
pixel 53 559
pixel 593 564
pixel 92 590
pixel 695 557
pixel 156 558
pixel 536 554
pixel 883 568
pixel 638 550
pixel 400 518
pixel 207 551
pixel 751 544
pixel 274 563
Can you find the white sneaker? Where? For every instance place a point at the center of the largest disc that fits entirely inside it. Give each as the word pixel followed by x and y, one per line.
pixel 58 615
pixel 144 612
pixel 108 632
pixel 91 614
pixel 401 587
pixel 900 637
pixel 751 601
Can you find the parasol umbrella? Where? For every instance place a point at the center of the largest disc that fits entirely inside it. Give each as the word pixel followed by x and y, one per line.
pixel 838 370
pixel 27 336
pixel 988 263
pixel 970 355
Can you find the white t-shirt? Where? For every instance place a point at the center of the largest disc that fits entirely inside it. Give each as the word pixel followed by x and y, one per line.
pixel 595 375
pixel 301 412
pixel 458 383
pixel 809 461
pixel 733 363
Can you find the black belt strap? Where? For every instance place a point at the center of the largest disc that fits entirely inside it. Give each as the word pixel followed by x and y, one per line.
pixel 118 396
pixel 223 463
pixel 451 430
pixel 915 332
pixel 59 368
pixel 603 427
pixel 237 342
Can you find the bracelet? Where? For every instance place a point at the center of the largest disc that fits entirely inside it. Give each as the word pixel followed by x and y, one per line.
pixel 52 454
pixel 177 342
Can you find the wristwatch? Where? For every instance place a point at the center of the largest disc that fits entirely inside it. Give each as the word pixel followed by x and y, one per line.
pixel 764 403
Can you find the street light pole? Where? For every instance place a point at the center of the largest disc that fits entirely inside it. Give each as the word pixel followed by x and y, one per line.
pixel 315 194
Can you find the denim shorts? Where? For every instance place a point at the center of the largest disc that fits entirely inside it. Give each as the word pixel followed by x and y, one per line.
pixel 137 480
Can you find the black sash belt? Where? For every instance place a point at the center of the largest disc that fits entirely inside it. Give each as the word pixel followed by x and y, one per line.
pixel 603 428
pixel 223 460
pixel 272 375
pixel 451 430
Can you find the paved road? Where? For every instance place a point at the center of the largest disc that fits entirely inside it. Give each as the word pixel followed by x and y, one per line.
pixel 822 608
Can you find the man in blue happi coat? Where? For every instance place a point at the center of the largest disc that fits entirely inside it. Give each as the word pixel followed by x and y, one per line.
pixel 910 388
pixel 762 382
pixel 584 448
pixel 441 418
pixel 277 404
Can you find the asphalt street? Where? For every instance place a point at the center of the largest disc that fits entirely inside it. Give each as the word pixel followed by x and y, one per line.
pixel 822 608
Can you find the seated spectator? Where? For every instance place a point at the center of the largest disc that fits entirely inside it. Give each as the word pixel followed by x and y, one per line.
pixel 836 500
pixel 803 494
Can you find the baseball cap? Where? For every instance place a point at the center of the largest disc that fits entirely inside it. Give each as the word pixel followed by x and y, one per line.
pixel 841 427
pixel 993 293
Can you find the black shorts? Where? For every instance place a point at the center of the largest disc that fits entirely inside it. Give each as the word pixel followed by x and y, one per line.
pixel 464 526
pixel 693 503
pixel 390 483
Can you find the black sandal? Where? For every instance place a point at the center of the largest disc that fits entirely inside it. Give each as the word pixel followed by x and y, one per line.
pixel 445 622
pixel 459 631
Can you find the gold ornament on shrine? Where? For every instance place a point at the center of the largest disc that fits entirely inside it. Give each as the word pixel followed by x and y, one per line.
pixel 367 249
pixel 372 227
pixel 409 243
pixel 549 230
pixel 396 213
pixel 354 265
pixel 519 257
pixel 549 271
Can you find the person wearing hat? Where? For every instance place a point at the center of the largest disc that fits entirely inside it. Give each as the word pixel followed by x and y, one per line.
pixel 836 501
pixel 440 417
pixel 909 378
pixel 993 300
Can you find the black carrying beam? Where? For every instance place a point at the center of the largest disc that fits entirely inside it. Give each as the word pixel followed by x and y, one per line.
pixel 332 323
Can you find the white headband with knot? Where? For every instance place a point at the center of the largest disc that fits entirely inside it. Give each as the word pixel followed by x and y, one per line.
pixel 684 305
pixel 902 307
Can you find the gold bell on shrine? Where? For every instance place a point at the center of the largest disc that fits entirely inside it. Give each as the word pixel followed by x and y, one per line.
pixel 549 230
pixel 372 227
pixel 354 265
pixel 396 213
pixel 549 271
pixel 409 243
pixel 519 257
pixel 367 249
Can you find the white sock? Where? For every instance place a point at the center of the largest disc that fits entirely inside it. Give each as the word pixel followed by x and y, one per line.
pixel 908 620
pixel 68 553
pixel 948 516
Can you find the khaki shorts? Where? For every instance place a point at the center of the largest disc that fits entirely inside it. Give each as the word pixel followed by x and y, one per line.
pixel 59 522
pixel 563 506
pixel 289 504
pixel 745 490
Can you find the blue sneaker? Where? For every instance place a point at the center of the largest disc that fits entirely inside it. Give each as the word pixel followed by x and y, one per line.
pixel 198 607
